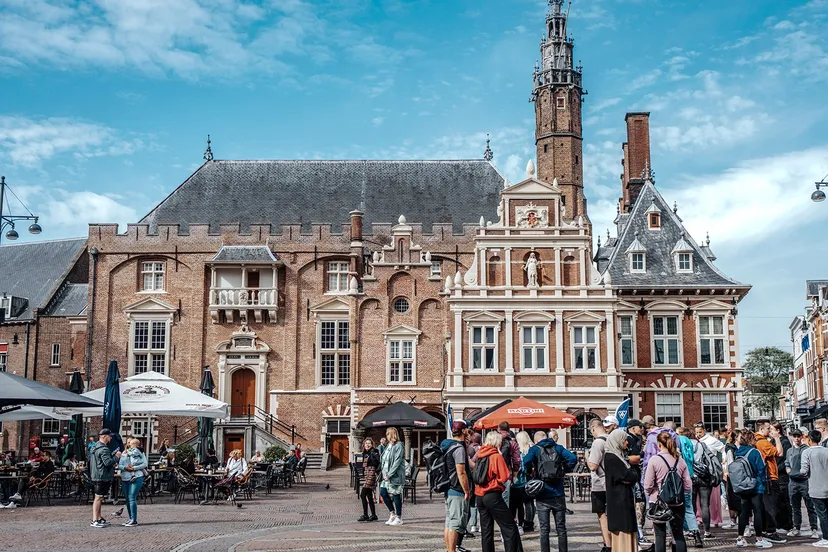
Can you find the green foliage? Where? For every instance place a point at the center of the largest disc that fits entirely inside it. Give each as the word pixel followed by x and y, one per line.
pixel 766 371
pixel 183 453
pixel 275 453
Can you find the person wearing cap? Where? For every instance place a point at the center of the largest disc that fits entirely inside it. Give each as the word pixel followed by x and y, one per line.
pixel 798 487
pixel 459 491
pixel 102 471
pixel 635 447
pixel 598 491
pixel 610 424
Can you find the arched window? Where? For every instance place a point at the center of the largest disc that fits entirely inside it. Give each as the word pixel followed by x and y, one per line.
pixel 581 438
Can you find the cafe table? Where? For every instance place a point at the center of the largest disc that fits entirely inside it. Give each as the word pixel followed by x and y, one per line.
pixel 207 480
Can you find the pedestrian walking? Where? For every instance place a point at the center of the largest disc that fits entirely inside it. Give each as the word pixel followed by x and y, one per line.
pixel 393 476
pixel 667 460
pixel 784 521
pixel 686 452
pixel 705 478
pixel 621 477
pixel 457 495
pixel 549 462
pixel 635 449
pixel 717 447
pixel 598 490
pixel 491 475
pixel 101 472
pixel 770 499
pixel 370 465
pixel 815 466
pixel 798 487
pixel 475 442
pixel 133 464
pixel 734 504
pixel 748 463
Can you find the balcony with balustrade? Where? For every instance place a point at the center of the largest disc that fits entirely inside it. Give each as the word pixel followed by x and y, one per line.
pixel 244 285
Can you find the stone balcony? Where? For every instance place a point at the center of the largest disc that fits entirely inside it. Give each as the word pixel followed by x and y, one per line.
pixel 245 302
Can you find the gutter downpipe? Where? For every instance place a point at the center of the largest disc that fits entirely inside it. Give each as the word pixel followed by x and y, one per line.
pixel 90 327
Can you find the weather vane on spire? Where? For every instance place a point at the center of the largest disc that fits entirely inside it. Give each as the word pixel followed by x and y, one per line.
pixel 208 155
pixel 488 154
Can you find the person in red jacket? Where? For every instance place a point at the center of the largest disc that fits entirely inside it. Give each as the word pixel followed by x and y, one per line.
pixel 490 503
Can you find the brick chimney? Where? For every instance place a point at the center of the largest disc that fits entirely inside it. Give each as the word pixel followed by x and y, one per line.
pixel 636 156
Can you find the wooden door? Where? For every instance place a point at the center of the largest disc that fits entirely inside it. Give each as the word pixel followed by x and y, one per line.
pixel 340 453
pixel 233 442
pixel 243 395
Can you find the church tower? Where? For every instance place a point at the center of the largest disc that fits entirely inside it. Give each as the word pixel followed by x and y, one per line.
pixel 557 93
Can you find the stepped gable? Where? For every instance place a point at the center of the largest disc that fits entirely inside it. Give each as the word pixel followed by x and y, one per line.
pixel 659 247
pixel 305 192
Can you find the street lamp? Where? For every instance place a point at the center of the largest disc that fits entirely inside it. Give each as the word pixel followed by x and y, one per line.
pixel 819 196
pixel 7 221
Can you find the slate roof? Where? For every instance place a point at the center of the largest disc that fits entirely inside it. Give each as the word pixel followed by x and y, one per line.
pixel 283 192
pixel 70 300
pixel 812 287
pixel 245 253
pixel 35 270
pixel 661 269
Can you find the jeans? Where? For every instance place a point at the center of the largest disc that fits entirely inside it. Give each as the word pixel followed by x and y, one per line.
pixel 529 513
pixel 131 489
pixel 821 507
pixel 660 529
pixel 703 494
pixel 548 507
pixel 769 502
pixel 783 512
pixel 507 492
pixel 393 502
pixel 493 509
pixel 517 500
pixel 797 490
pixel 367 497
pixel 690 523
pixel 751 503
pixel 473 516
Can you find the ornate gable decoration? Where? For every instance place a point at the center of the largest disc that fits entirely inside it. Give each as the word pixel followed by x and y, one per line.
pixel 584 317
pixel 244 340
pixel 150 305
pixel 532 216
pixel 332 306
pixel 401 330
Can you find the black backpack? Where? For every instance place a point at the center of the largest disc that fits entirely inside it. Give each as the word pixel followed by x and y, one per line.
pixel 480 474
pixel 671 492
pixel 442 473
pixel 551 468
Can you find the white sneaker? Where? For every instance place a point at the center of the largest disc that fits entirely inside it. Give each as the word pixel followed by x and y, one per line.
pixel 11 505
pixel 741 542
pixel 821 543
pixel 793 533
pixel 390 519
pixel 473 529
pixel 763 543
pixel 16 496
pixel 729 525
pixel 520 530
pixel 397 521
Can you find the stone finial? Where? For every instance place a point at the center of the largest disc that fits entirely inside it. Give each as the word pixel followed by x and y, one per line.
pixel 448 283
pixel 580 221
pixel 555 182
pixel 376 256
pixel 401 220
pixel 599 242
pixel 488 154
pixel 482 222
pixel 458 279
pixel 353 286
pixel 428 256
pixel 675 207
pixel 530 169
pixel 608 234
pixel 208 155
pixel 506 183
pixel 707 240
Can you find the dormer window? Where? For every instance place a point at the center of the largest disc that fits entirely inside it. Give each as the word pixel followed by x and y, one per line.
pixel 655 220
pixel 683 255
pixel 638 262
pixel 684 262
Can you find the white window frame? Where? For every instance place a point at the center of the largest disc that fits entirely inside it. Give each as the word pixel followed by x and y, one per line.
pixel 643 268
pixel 726 404
pixel 340 271
pixel 660 419
pixel 436 268
pixel 54 360
pixel 395 354
pixel 712 337
pixel 689 259
pixel 536 347
pixel 4 361
pixel 143 423
pixel 666 337
pixel 484 345
pixel 338 352
pixel 627 337
pixel 150 351
pixel 51 422
pixel 573 346
pixel 151 268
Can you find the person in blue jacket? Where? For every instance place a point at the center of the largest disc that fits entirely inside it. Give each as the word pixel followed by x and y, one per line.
pixel 752 501
pixel 551 499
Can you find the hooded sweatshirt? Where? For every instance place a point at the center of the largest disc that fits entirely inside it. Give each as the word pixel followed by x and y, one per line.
pixel 499 472
pixel 754 457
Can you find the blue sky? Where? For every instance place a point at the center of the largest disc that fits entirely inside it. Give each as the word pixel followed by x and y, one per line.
pixel 106 105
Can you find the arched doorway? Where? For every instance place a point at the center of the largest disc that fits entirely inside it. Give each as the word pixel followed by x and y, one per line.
pixel 581 438
pixel 243 392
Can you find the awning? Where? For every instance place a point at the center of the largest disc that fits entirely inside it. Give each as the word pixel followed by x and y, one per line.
pixel 17 391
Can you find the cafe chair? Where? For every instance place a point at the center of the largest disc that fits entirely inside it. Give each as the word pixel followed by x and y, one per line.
pixel 185 484
pixel 410 487
pixel 299 474
pixel 39 490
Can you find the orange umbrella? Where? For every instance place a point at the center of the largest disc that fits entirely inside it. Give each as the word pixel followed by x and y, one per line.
pixel 526 414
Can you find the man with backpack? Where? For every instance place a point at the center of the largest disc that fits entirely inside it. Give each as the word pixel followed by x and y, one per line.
pixel 458 490
pixel 815 467
pixel 548 463
pixel 770 499
pixel 511 453
pixel 708 473
pixel 598 489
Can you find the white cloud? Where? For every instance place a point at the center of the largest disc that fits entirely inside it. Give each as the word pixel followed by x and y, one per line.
pixel 77 209
pixel 603 104
pixel 377 121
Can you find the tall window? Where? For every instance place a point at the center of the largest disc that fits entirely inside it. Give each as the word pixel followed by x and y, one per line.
pixel 335 348
pixel 152 276
pixel 626 330
pixel 585 347
pixel 684 262
pixel 668 408
pixel 534 348
pixel 338 276
pixel 712 339
pixel 55 360
pixel 665 340
pixel 149 346
pixel 3 361
pixel 436 268
pixel 51 426
pixel 401 361
pixel 715 412
pixel 484 348
pixel 637 262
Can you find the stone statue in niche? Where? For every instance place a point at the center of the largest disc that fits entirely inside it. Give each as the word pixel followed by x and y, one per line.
pixel 531 269
pixel 532 216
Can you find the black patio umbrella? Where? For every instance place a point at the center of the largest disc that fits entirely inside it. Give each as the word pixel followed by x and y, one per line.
pixel 205 425
pixel 76 443
pixel 112 406
pixel 399 414
pixel 18 391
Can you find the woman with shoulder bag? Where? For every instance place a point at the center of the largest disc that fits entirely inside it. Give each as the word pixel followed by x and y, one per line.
pixel 133 464
pixel 658 468
pixel 370 463
pixel 620 479
pixel 393 476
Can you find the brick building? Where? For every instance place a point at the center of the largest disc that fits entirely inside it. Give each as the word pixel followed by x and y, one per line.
pixel 42 324
pixel 318 291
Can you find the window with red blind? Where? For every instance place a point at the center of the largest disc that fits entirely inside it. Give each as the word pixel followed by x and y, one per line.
pixel 4 351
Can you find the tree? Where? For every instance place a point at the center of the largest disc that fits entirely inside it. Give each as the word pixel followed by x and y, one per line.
pixel 766 371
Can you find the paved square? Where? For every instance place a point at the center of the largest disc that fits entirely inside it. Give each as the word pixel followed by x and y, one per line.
pixel 306 518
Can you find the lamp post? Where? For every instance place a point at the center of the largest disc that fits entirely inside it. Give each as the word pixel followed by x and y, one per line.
pixel 819 196
pixel 7 221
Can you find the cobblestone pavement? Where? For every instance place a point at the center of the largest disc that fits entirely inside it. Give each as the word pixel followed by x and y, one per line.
pixel 307 517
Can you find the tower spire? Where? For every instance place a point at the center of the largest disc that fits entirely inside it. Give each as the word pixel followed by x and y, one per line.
pixel 208 155
pixel 488 154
